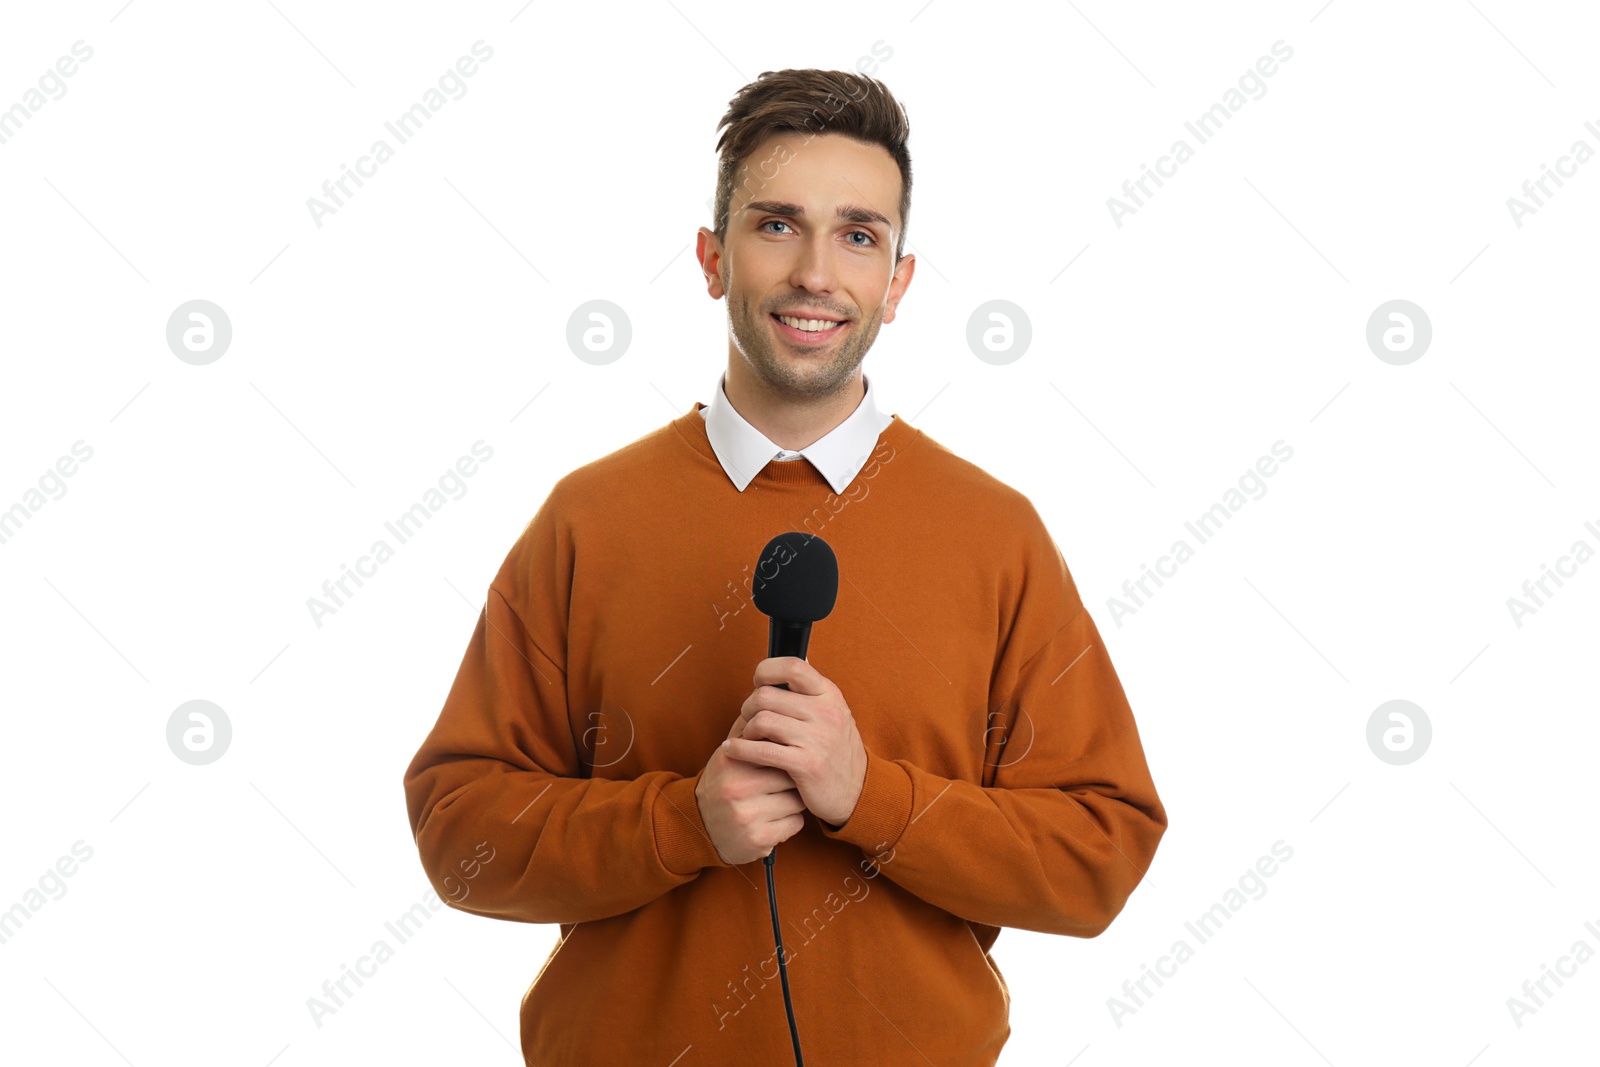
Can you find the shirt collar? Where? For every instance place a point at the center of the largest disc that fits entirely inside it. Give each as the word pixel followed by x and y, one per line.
pixel 838 455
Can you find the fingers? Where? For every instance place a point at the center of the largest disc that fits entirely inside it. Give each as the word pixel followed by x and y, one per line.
pixel 773 726
pixel 796 673
pixel 758 777
pixel 766 779
pixel 792 704
pixel 785 813
pixel 766 754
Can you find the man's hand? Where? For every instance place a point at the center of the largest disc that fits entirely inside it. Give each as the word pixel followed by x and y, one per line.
pixel 747 809
pixel 806 731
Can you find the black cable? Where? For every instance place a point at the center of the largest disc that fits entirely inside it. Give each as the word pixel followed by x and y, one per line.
pixel 783 970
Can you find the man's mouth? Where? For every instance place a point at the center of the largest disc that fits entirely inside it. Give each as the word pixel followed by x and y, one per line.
pixel 808 331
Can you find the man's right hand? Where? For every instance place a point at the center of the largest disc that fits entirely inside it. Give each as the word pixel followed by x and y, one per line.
pixel 747 808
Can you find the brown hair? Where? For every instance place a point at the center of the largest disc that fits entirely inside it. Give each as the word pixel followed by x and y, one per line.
pixel 815 101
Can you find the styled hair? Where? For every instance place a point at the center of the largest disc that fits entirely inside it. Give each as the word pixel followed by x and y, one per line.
pixel 811 101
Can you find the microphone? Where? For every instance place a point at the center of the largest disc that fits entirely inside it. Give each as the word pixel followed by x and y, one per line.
pixel 796 584
pixel 803 586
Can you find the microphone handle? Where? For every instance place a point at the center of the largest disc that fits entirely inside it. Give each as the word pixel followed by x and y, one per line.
pixel 786 638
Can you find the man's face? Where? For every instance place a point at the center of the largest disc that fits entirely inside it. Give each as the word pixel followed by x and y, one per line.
pixel 788 252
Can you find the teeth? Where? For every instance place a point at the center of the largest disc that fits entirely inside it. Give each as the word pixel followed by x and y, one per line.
pixel 810 325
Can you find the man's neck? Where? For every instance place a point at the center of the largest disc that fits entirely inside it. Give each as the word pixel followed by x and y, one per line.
pixel 788 425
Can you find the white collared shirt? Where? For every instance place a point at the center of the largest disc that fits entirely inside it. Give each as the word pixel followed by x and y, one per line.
pixel 838 455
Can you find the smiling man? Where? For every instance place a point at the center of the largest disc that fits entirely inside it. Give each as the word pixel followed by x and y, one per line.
pixel 820 265
pixel 955 755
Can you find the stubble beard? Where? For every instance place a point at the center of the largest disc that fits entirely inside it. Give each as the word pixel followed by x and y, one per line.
pixel 787 372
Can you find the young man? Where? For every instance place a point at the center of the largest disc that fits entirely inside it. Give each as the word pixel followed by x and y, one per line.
pixel 956 753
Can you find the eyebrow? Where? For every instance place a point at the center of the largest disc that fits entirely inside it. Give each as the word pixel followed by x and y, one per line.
pixel 845 213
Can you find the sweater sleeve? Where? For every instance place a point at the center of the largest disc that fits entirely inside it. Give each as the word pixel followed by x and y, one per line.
pixel 1068 820
pixel 501 774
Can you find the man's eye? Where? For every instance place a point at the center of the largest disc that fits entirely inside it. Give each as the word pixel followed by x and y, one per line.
pixel 870 239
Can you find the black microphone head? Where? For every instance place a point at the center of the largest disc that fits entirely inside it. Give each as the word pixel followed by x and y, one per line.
pixel 796 579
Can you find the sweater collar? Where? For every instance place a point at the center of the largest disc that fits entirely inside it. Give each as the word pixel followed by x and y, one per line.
pixel 838 455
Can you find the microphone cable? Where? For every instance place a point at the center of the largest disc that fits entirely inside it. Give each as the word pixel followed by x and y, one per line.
pixel 783 970
pixel 802 589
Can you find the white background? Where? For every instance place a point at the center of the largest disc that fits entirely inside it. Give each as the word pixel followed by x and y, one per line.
pixel 368 354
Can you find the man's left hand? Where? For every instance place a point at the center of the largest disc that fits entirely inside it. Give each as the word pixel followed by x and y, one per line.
pixel 806 730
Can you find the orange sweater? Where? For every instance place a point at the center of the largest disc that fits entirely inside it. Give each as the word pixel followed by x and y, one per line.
pixel 1006 784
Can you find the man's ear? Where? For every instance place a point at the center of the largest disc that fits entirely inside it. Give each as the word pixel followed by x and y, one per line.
pixel 898 284
pixel 708 250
